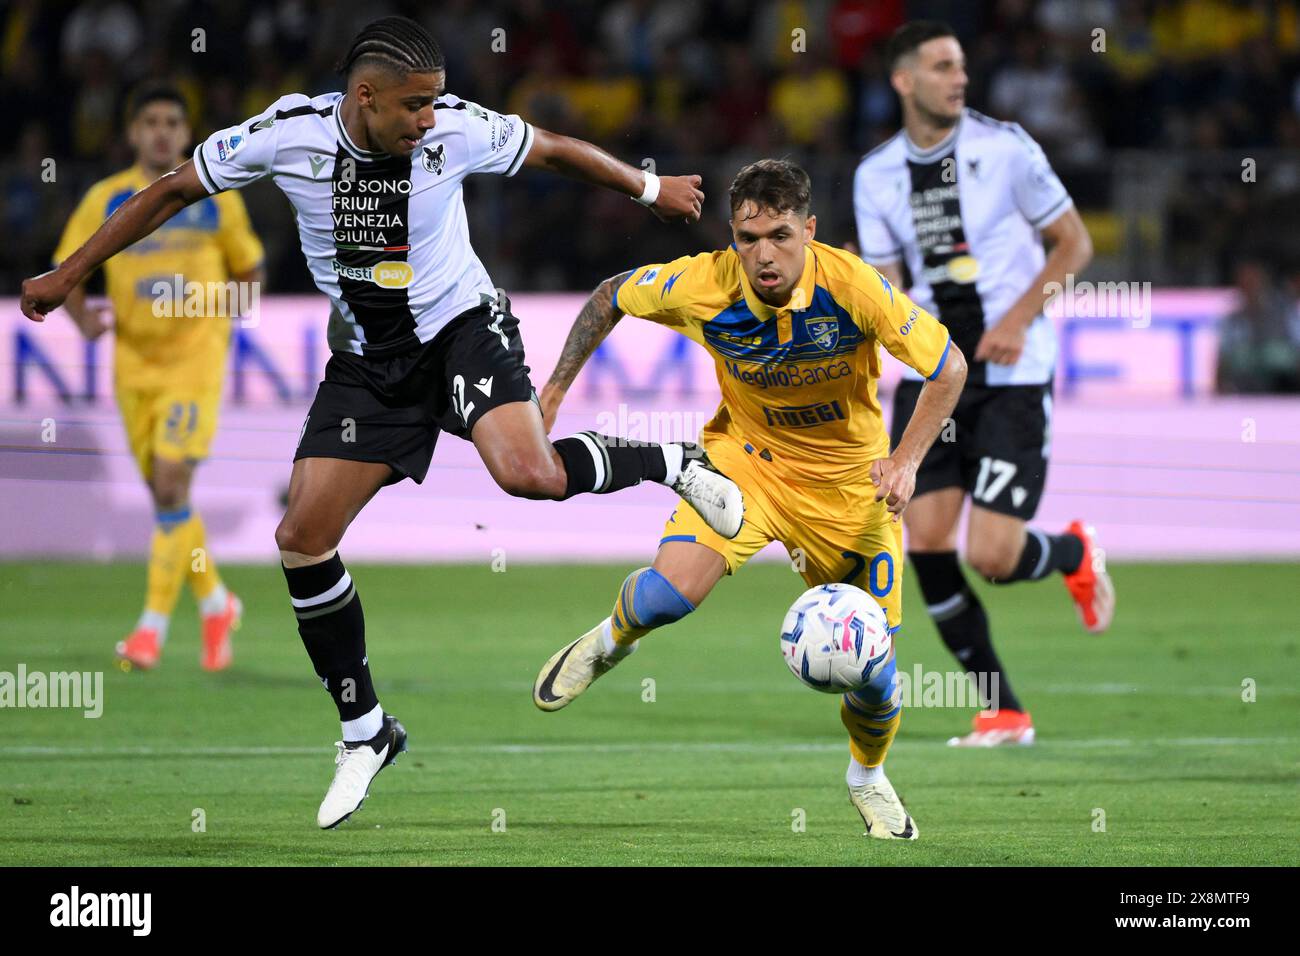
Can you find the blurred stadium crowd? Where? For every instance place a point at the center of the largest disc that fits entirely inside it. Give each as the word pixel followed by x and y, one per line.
pixel 1146 107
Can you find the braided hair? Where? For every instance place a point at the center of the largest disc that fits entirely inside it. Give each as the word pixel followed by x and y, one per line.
pixel 397 44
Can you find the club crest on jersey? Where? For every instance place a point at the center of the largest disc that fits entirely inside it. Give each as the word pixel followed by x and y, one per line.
pixel 502 129
pixel 434 159
pixel 824 332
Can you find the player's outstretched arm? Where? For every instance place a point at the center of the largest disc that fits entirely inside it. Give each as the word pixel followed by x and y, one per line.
pixel 669 197
pixel 1070 251
pixel 593 323
pixel 134 219
pixel 895 476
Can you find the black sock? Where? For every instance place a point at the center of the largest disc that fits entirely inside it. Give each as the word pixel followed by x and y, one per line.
pixel 601 464
pixel 962 623
pixel 1045 553
pixel 333 630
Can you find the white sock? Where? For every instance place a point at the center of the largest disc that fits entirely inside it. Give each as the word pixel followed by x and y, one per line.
pixel 673 456
pixel 214 603
pixel 363 728
pixel 155 620
pixel 859 775
pixel 609 646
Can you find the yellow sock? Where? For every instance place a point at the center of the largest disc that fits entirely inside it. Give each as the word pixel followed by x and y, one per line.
pixel 169 560
pixel 201 569
pixel 620 619
pixel 645 601
pixel 871 727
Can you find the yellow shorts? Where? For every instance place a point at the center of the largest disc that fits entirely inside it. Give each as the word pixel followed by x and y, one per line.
pixel 174 423
pixel 832 534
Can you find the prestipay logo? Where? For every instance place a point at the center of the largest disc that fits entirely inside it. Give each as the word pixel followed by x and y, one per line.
pixel 391 274
pixel 74 908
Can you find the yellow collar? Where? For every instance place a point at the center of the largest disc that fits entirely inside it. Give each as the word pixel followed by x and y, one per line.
pixel 801 296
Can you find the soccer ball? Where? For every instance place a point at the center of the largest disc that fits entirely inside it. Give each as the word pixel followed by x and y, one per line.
pixel 834 637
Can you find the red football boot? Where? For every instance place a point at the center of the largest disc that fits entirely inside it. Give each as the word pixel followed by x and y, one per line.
pixel 217 652
pixel 140 649
pixel 1090 586
pixel 993 728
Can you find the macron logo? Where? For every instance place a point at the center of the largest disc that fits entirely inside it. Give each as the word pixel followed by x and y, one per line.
pixel 671 281
pixel 103 909
pixel 888 288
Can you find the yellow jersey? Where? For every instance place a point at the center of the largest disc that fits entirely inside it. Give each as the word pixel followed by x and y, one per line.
pixel 798 382
pixel 205 243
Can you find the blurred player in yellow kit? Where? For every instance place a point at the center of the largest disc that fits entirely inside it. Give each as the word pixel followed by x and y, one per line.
pixel 169 367
pixel 793 326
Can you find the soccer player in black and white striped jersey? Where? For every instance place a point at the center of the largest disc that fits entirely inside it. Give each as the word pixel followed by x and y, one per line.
pixel 967 202
pixel 421 340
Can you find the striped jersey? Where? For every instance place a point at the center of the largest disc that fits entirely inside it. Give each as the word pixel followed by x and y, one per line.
pixel 385 237
pixel 964 215
pixel 798 382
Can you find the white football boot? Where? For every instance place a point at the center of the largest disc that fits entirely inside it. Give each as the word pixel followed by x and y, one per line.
pixel 355 766
pixel 711 493
pixel 883 812
pixel 572 669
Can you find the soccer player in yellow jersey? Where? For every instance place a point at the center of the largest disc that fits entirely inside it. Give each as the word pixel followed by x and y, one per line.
pixel 793 326
pixel 168 367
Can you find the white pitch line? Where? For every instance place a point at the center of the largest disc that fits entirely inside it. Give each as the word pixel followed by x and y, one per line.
pixel 655 747
pixel 1205 690
pixel 785 688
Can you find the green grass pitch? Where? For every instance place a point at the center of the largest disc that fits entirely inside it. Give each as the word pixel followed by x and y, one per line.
pixel 1145 725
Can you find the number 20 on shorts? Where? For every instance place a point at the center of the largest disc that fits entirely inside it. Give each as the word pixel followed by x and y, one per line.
pixel 882 566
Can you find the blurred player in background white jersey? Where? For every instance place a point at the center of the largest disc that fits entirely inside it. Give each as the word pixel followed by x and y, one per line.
pixel 967 202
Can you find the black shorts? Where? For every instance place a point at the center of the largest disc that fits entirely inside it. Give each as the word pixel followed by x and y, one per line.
pixel 997 447
pixel 391 409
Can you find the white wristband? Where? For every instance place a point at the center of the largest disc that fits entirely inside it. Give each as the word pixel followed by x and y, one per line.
pixel 651 191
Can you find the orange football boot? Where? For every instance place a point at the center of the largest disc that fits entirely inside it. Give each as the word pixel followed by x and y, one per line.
pixel 140 649
pixel 217 652
pixel 1089 585
pixel 992 728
